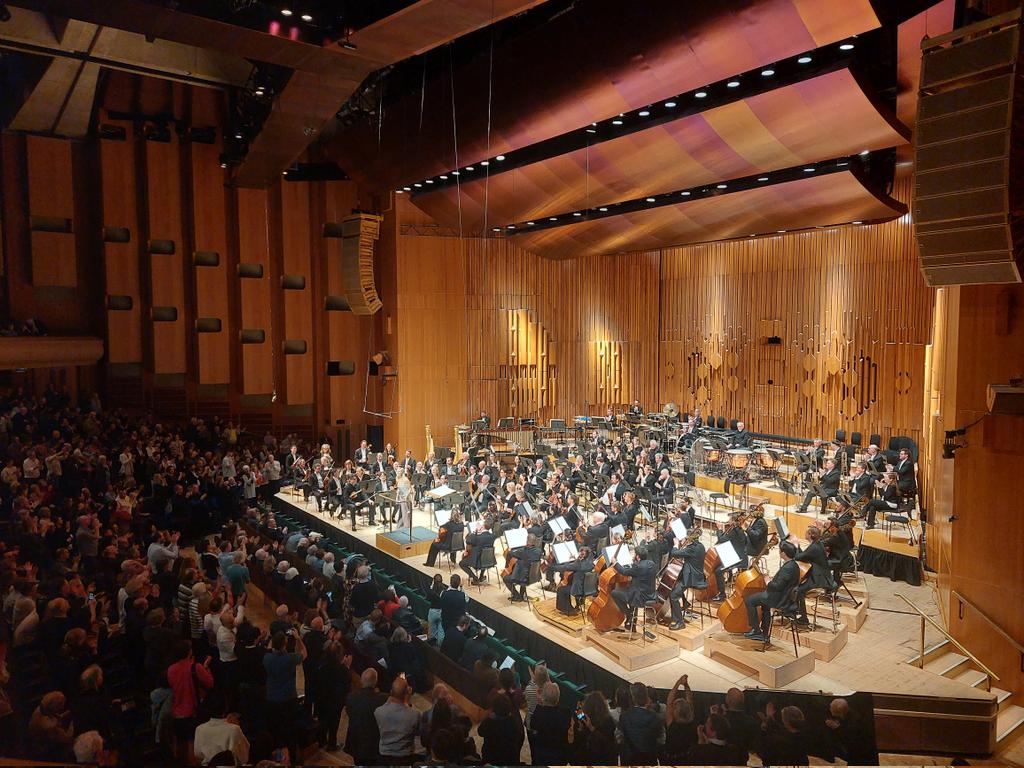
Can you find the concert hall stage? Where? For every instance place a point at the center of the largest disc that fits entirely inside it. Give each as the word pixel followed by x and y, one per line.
pixel 874 659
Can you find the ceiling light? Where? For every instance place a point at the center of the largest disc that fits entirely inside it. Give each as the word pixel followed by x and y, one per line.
pixel 858 222
pixel 469 167
pixel 781 231
pixel 552 218
pixel 485 162
pixel 496 229
pixel 529 223
pixel 670 104
pixel 846 47
pixel 500 158
pixel 733 84
pixel 306 17
pixel 455 173
pixel 643 113
pixel 753 235
pixel 430 181
pixel 767 72
pixel 577 213
pixel 286 11
pixel 511 226
pixel 223 165
pixel 602 208
pixel 591 130
pixel 407 189
pixel 722 186
pixel 398 191
pixel 442 176
pixel 809 170
pixel 762 178
pixel 417 184
pixel 865 152
pixel 804 60
pixel 701 94
pixel 616 122
pixel 238 134
pixel 685 194
pixel 842 164
pixel 650 200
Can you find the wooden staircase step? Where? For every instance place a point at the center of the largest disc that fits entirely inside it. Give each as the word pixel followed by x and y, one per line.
pixel 972 677
pixel 1002 698
pixel 930 651
pixel 1008 720
pixel 945 663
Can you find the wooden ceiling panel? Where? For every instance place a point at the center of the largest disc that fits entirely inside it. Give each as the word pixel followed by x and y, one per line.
pixel 827 116
pixel 837 198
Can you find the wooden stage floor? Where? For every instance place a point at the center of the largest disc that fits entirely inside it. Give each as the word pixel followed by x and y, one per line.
pixel 874 659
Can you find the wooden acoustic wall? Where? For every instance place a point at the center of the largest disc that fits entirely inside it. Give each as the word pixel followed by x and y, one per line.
pixel 799 334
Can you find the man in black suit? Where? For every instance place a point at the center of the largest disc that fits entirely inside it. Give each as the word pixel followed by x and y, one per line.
pixel 642 587
pixel 485 419
pixel 454 642
pixel 738 538
pixel 615 490
pixel 757 533
pixel 636 409
pixel 362 455
pixel 354 498
pixel 573 514
pixel 829 482
pixel 690 575
pixel 480 541
pixel 742 437
pixel 453 602
pixel 861 484
pixel 665 487
pixel 409 463
pixel 775 596
pixel 596 531
pixel 568 599
pixel 525 557
pixel 820 576
pixel 904 470
pixel 875 460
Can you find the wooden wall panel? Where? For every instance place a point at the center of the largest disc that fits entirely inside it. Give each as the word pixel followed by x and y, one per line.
pixel 163 192
pixel 254 294
pixel 51 196
pixel 298 304
pixel 210 226
pixel 121 260
pixel 851 312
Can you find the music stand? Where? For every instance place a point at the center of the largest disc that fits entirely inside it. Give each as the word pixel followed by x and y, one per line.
pixel 787 488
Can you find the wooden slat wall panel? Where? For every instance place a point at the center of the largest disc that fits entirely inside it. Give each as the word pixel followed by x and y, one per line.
pixel 348 335
pixel 121 260
pixel 50 194
pixel 254 294
pixel 298 305
pixel 852 313
pixel 211 282
pixel 163 183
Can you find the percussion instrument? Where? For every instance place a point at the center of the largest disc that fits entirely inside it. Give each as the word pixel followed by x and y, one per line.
pixel 768 460
pixel 712 455
pixel 738 458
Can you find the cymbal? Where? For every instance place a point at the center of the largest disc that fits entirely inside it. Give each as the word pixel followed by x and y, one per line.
pixel 671 410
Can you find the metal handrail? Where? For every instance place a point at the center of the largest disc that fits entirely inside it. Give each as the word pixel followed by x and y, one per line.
pixel 996 627
pixel 920 659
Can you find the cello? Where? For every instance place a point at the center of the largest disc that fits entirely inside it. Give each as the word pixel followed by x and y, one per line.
pixel 670 576
pixel 603 613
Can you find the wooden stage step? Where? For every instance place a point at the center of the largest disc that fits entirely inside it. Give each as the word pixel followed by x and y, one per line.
pixel 633 654
pixel 825 644
pixel 546 611
pixel 692 636
pixel 852 617
pixel 775 666
pixel 945 664
pixel 1009 720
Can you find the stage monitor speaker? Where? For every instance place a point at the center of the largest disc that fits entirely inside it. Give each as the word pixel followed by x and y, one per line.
pixel 358 233
pixel 967 180
pixel 341 367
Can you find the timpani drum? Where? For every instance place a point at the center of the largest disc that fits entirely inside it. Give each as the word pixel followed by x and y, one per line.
pixel 738 458
pixel 712 455
pixel 768 460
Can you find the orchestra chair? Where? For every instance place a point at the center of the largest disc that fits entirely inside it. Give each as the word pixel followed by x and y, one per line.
pixel 855 438
pixel 715 498
pixel 590 590
pixel 643 609
pixel 875 440
pixel 734 424
pixel 488 562
pixel 904 515
pixel 840 435
pixel 457 543
pixel 785 612
pixel 700 604
pixel 721 422
pixel 828 596
pixel 534 578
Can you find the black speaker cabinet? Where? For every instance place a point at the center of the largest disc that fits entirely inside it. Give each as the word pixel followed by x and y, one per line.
pixel 967 195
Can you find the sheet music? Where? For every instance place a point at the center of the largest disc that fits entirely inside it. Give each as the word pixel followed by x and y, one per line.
pixel 618 530
pixel 678 528
pixel 565 551
pixel 782 528
pixel 625 555
pixel 558 524
pixel 442 516
pixel 516 537
pixel 727 554
pixel 507 663
pixel 440 493
pixel 528 508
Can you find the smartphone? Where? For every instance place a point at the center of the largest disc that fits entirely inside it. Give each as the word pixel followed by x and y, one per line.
pixel 91 597
pixel 580 716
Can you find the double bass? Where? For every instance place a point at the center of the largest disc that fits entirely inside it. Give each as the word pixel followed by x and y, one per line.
pixel 603 613
pixel 733 612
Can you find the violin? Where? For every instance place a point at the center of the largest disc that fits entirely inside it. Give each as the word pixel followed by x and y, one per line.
pixel 442 535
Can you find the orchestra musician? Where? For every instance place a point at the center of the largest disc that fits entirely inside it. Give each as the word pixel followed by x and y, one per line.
pixel 318 484
pixel 861 485
pixel 642 587
pixel 595 532
pixel 636 409
pixel 820 576
pixel 477 542
pixel 665 487
pixel 408 463
pixel 875 460
pixel 525 557
pixel 485 419
pixel 828 479
pixel 353 498
pixel 290 459
pixel 614 491
pixel 630 509
pixel 569 599
pixel 691 552
pixel 904 470
pixel 616 516
pixel 685 512
pixel 481 496
pixel 757 532
pixel 775 596
pixel 379 464
pixel 888 499
pixel 573 514
pixel 732 532
pixel 839 542
pixel 333 492
pixel 742 437
pixel 444 537
pixel 363 454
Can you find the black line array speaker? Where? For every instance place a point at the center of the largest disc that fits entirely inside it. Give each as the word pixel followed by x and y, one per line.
pixel 967 153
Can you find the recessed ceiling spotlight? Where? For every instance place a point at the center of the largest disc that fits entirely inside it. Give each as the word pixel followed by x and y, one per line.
pixel 552 218
pixel 767 72
pixel 722 186
pixel 701 94
pixel 762 178
pixel 804 60
pixel 616 122
pixel 500 158
pixel 670 104
pixel 865 152
pixel 238 134
pixel 809 170
pixel 781 231
pixel 577 213
pixel 430 181
pixel 602 208
pixel 591 130
pixel 469 167
pixel 650 200
pixel 753 235
pixel 733 84
pixel 685 194
pixel 644 112
pixel 485 162
pixel 496 229
pixel 442 176
pixel 511 226
pixel 846 47
pixel 417 184
pixel 407 189
pixel 286 11
pixel 223 165
pixel 455 173
pixel 306 17
pixel 842 164
pixel 858 222
pixel 530 223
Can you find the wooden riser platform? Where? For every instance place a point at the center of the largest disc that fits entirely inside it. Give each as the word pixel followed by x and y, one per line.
pixel 775 666
pixel 633 654
pixel 825 645
pixel 852 617
pixel 572 625
pixel 692 637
